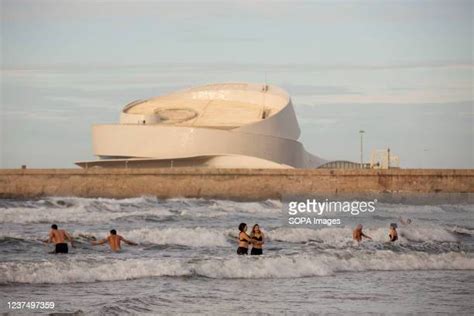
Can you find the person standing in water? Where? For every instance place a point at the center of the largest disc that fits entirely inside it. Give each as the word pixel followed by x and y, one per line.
pixel 59 237
pixel 114 241
pixel 257 240
pixel 244 240
pixel 357 234
pixel 392 233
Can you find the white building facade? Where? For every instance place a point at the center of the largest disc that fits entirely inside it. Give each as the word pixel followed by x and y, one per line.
pixel 230 125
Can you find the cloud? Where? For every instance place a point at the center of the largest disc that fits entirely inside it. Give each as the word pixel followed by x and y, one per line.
pixel 300 11
pixel 226 66
pixel 302 89
pixel 65 10
pixel 110 86
pixel 47 115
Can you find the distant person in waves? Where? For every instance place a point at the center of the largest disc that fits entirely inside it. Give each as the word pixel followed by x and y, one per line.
pixel 392 233
pixel 405 222
pixel 59 237
pixel 244 240
pixel 114 241
pixel 257 240
pixel 357 234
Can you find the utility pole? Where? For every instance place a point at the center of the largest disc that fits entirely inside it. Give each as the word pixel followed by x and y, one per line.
pixel 361 132
pixel 388 158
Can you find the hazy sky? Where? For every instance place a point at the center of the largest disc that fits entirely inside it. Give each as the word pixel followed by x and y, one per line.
pixel 400 70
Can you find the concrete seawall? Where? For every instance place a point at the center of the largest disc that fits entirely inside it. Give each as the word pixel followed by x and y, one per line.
pixel 237 184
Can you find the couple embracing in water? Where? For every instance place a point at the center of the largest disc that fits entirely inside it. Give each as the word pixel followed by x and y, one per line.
pixel 255 239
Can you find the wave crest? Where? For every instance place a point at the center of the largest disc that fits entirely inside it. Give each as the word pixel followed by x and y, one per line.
pixel 341 236
pixel 73 271
pixel 191 237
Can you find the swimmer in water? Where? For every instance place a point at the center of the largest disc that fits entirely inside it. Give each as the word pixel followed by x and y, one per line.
pixel 357 234
pixel 244 240
pixel 405 222
pixel 392 234
pixel 257 240
pixel 114 241
pixel 59 237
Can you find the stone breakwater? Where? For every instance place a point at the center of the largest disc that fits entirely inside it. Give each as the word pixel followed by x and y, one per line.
pixel 234 184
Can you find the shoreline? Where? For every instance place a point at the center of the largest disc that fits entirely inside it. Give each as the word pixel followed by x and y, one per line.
pixel 398 185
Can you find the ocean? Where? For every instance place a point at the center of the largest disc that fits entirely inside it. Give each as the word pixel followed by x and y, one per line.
pixel 186 259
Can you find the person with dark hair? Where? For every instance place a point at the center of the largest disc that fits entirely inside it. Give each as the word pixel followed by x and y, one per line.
pixel 114 241
pixel 257 240
pixel 244 240
pixel 392 234
pixel 59 237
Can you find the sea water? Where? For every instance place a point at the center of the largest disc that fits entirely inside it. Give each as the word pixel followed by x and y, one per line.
pixel 186 259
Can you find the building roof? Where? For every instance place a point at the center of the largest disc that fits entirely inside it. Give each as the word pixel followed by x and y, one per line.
pixel 226 106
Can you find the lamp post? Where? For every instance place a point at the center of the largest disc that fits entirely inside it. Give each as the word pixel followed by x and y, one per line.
pixel 361 132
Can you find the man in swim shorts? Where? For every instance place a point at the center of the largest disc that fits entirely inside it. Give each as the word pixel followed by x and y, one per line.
pixel 357 233
pixel 59 237
pixel 114 241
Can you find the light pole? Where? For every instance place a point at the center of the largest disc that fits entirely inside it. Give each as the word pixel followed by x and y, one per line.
pixel 361 132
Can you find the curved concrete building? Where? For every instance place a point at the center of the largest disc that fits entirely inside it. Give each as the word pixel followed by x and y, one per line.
pixel 231 125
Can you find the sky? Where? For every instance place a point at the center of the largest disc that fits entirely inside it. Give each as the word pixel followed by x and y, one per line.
pixel 400 70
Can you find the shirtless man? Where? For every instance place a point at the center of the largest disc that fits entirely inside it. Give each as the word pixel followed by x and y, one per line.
pixel 59 237
pixel 357 233
pixel 392 233
pixel 114 241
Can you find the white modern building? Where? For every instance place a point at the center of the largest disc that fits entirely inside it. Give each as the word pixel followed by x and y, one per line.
pixel 230 125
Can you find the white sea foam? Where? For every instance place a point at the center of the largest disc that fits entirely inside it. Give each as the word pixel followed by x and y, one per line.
pixel 76 214
pixel 301 235
pixel 427 234
pixel 268 207
pixel 340 236
pixel 409 209
pixel 73 271
pixel 217 237
pixel 100 210
pixel 225 207
pixel 109 204
pixel 462 230
pixel 191 237
pixel 80 210
pixel 81 271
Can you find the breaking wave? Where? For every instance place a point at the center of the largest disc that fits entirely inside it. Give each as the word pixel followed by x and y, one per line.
pixel 101 210
pixel 73 271
pixel 218 237
pixel 191 237
pixel 341 236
